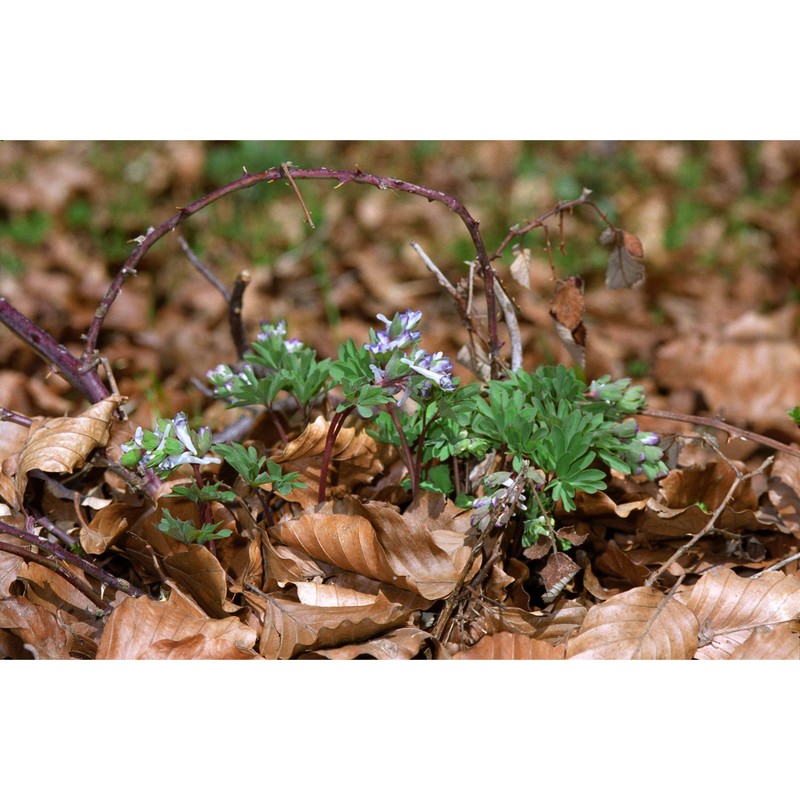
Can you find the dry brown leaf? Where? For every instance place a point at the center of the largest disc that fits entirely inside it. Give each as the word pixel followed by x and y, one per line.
pixel 404 643
pixel 10 565
pixel 106 527
pixel 198 647
pixel 53 593
pixel 291 628
pixel 729 608
pixel 784 490
pixel 625 268
pixel 638 624
pixel 198 572
pixel 138 623
pixel 39 629
pixel 521 265
pixel 614 561
pixel 343 540
pixel 772 644
pixel 62 444
pixel 557 572
pixel 512 646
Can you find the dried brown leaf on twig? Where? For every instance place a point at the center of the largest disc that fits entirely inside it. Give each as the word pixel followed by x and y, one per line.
pixel 638 624
pixel 729 608
pixel 521 265
pixel 512 646
pixel 198 572
pixel 62 444
pixel 566 311
pixel 625 265
pixel 106 527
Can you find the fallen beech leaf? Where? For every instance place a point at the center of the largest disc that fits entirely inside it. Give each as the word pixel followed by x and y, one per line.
pixel 347 541
pixel 106 527
pixel 729 608
pixel 566 311
pixel 772 644
pixel 511 646
pixel 137 623
pixel 404 643
pixel 62 444
pixel 198 572
pixel 10 565
pixel 638 624
pixel 53 593
pixel 197 647
pixel 38 628
pixel 617 563
pixel 291 628
pixel 320 594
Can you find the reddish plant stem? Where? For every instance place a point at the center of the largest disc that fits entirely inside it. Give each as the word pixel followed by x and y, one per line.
pixel 64 555
pixel 6 415
pixel 411 464
pixel 333 431
pixel 277 173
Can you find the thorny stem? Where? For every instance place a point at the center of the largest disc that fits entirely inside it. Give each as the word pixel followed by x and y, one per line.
pixel 333 431
pixel 740 477
pixel 411 464
pixel 723 426
pixel 64 555
pixel 75 371
pixel 235 321
pixel 70 577
pixel 277 173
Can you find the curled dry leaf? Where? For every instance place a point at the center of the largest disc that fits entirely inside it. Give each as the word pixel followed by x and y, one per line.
pixel 521 265
pixel 625 267
pixel 291 628
pixel 638 624
pixel 617 563
pixel 106 527
pixel 512 646
pixel 62 444
pixel 138 623
pixel 559 570
pixel 730 608
pixel 566 311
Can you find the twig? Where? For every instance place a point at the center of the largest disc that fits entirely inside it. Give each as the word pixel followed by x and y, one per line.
pixel 203 269
pixel 64 555
pixel 285 167
pixel 274 174
pixel 512 324
pixel 7 415
pixel 235 321
pixel 740 477
pixel 723 426
pixel 789 560
pixel 73 370
pixel 70 577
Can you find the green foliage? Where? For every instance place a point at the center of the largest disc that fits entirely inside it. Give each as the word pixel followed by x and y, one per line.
pixel 209 493
pixel 185 530
pixel 256 471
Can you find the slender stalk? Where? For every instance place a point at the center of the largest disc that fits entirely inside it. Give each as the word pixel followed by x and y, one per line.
pixel 723 426
pixel 411 464
pixel 333 431
pixel 6 415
